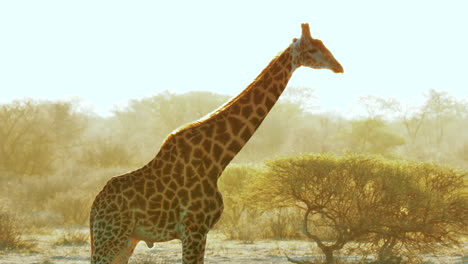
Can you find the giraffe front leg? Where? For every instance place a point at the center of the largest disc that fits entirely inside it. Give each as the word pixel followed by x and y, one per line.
pixel 193 248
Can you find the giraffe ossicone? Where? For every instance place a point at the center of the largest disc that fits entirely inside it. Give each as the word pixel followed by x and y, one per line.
pixel 175 196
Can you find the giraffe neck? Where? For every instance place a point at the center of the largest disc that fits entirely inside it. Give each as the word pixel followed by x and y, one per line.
pixel 244 113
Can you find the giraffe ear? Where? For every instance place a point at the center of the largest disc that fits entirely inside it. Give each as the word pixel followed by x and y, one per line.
pixel 306 31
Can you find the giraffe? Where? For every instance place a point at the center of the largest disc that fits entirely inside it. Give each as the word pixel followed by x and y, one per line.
pixel 175 196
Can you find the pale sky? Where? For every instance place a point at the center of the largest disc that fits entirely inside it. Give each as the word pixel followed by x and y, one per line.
pixel 108 52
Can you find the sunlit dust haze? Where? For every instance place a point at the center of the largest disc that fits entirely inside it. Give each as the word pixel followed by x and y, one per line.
pixel 108 52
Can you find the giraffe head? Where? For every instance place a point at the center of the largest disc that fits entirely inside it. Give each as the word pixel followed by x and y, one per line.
pixel 311 52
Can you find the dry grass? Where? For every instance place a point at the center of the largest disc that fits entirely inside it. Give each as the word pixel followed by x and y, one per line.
pixel 72 238
pixel 11 233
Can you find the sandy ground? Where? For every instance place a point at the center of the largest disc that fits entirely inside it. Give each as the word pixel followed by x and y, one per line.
pixel 219 250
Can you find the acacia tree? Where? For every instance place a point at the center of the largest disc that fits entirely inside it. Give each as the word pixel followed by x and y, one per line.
pixel 357 198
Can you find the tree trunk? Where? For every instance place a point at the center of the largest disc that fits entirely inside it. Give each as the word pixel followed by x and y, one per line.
pixel 328 254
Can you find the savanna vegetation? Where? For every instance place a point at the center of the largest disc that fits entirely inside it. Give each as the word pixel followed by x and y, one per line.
pixel 375 183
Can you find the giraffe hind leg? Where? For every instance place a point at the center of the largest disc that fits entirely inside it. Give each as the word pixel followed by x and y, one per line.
pixel 124 254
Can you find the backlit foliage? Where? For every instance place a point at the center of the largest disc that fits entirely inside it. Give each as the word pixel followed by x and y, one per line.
pixel 363 198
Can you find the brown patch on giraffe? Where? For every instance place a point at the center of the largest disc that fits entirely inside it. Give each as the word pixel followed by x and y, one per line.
pixel 201 169
pixel 255 121
pixel 189 172
pixel 154 205
pixel 258 97
pixel 207 145
pixel 166 155
pixel 260 111
pixel 267 82
pixel 235 124
pixel 198 153
pixel 235 146
pixel 140 187
pixel 192 181
pixel 185 150
pixel 247 111
pixel 149 188
pixel 166 178
pixel 159 185
pixel 213 174
pixel 166 204
pixel 209 203
pixel 207 163
pixel 171 217
pixel 167 168
pixel 216 217
pixel 179 179
pixel 138 202
pixel 220 126
pixel 269 103
pixel 276 68
pixel 246 133
pixel 235 109
pixel 223 137
pixel 129 193
pixel 178 168
pixel 200 217
pixel 156 198
pixel 244 99
pixel 196 192
pixel 278 76
pixel 162 219
pixel 207 188
pixel 169 194
pixel 195 206
pixel 275 91
pixel 175 203
pixel 197 162
pixel 283 59
pixel 171 226
pixel 173 186
pixel 208 130
pixel 227 158
pixel 217 150
pixel 183 195
pixel 196 139
pixel 140 215
pixel 119 200
pixel 111 209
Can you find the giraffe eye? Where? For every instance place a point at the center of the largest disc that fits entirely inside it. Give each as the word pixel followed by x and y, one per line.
pixel 313 51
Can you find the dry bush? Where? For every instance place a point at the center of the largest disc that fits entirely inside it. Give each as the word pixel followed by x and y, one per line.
pixel 73 207
pixel 390 204
pixel 239 220
pixel 11 232
pixel 281 224
pixel 60 199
